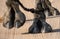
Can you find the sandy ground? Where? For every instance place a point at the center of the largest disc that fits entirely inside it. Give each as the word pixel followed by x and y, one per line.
pixel 15 33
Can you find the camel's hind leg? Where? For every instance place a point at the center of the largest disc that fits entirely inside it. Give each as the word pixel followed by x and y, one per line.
pixel 19 16
pixel 9 16
pixel 19 19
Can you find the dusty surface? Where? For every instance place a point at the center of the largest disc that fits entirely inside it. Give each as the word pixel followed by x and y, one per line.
pixel 15 33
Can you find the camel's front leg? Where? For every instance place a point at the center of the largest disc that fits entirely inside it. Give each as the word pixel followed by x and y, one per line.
pixel 8 17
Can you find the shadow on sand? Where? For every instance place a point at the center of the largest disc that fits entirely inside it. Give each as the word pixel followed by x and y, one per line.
pixel 54 30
